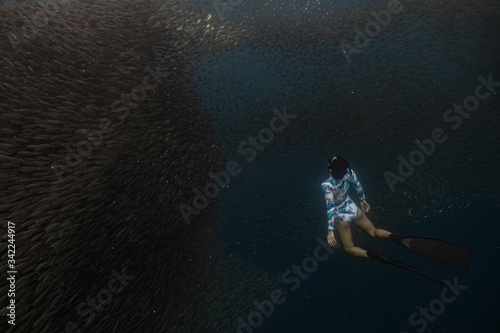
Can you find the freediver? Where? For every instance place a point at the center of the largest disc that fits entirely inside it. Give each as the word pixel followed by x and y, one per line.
pixel 342 211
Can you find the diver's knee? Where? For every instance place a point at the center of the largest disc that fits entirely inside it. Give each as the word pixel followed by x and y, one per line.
pixel 349 250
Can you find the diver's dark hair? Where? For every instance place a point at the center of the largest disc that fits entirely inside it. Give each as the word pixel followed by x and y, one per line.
pixel 338 167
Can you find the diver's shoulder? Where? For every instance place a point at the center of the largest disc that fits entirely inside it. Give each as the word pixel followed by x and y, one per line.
pixel 327 183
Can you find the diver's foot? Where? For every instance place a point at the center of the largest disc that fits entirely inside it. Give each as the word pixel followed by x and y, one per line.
pixel 376 256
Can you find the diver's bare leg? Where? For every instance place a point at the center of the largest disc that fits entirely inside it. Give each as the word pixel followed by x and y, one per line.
pixel 344 230
pixel 367 226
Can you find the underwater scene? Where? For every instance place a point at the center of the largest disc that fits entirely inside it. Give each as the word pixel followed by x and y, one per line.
pixel 241 166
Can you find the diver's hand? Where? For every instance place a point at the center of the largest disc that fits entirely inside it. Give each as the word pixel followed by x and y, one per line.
pixel 365 206
pixel 331 238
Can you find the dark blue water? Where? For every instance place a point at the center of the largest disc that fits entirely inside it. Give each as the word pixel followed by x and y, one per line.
pixel 369 110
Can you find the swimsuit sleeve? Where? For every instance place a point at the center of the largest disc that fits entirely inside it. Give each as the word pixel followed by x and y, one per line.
pixel 330 207
pixel 357 185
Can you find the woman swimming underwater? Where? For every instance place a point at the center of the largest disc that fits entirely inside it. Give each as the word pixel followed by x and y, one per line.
pixel 342 212
pixel 341 209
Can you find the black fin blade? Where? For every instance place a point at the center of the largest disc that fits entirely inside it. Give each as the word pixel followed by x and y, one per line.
pixel 448 253
pixel 373 254
pixel 438 250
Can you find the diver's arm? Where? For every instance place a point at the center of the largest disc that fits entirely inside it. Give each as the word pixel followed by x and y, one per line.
pixel 357 185
pixel 359 190
pixel 330 212
pixel 330 207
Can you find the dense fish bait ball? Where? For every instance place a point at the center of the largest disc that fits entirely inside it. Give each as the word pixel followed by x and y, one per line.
pixel 94 191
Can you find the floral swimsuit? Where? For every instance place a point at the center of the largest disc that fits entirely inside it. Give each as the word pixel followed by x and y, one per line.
pixel 338 203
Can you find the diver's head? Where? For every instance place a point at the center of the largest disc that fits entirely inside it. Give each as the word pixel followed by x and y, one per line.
pixel 338 167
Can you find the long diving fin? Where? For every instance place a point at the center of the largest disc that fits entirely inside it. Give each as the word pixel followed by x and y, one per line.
pixel 386 260
pixel 434 249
